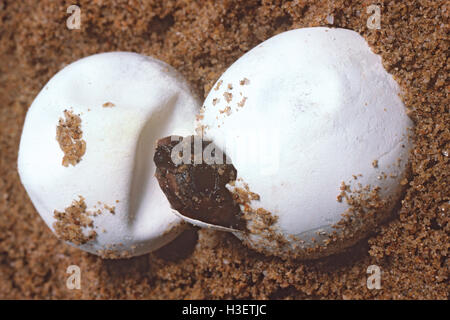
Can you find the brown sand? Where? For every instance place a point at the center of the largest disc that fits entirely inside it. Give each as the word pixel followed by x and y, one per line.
pixel 69 134
pixel 200 39
pixel 69 224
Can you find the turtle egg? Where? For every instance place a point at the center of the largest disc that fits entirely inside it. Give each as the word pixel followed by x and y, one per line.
pixel 86 152
pixel 319 138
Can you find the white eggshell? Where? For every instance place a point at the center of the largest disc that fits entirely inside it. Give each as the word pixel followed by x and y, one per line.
pixel 151 100
pixel 309 109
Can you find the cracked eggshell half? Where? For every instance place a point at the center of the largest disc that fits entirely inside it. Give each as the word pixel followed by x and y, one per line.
pixel 125 102
pixel 298 115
